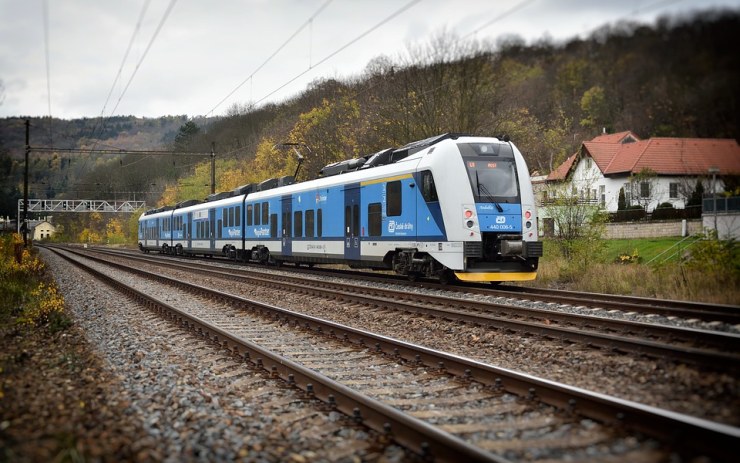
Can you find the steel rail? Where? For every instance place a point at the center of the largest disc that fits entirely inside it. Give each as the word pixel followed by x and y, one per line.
pixel 666 307
pixel 723 355
pixel 691 434
pixel 414 434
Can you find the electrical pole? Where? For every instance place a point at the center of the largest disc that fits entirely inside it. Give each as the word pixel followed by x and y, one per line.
pixel 25 185
pixel 213 167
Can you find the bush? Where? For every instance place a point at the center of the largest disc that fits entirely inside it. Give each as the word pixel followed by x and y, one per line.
pixel 631 214
pixel 665 211
pixel 28 300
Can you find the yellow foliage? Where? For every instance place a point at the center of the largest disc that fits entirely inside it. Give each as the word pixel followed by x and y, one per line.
pixel 114 232
pixel 46 304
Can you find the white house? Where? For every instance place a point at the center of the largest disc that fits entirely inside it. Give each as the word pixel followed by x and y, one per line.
pixel 652 171
pixel 42 230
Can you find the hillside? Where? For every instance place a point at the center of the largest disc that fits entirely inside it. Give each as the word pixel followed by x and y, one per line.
pixel 674 78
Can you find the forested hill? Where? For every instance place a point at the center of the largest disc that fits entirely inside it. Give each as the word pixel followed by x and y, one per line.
pixel 678 77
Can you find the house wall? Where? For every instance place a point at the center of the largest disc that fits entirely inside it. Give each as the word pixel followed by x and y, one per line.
pixel 728 224
pixel 42 231
pixel 591 184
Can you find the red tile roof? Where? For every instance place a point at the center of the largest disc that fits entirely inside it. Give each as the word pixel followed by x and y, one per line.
pixel 616 137
pixel 677 156
pixel 665 156
pixel 561 172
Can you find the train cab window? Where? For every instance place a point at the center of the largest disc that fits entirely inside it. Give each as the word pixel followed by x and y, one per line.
pixel 393 198
pixel 265 212
pixel 375 219
pixel 309 223
pixel 298 224
pixel 249 214
pixel 273 226
pixel 428 190
pixel 238 216
pixel 257 213
pixel 319 223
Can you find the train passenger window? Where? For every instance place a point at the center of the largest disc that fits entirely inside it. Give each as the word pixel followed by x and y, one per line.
pixel 309 223
pixel 393 198
pixel 238 216
pixel 273 226
pixel 319 223
pixel 257 214
pixel 265 212
pixel 375 219
pixel 249 214
pixel 220 229
pixel 297 224
pixel 428 190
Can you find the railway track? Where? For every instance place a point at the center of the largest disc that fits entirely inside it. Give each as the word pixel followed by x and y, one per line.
pixel 516 412
pixel 704 347
pixel 663 307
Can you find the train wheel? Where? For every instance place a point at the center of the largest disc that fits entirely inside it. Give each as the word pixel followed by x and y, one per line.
pixel 447 277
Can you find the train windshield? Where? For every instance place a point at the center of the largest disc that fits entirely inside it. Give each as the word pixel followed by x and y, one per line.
pixel 492 172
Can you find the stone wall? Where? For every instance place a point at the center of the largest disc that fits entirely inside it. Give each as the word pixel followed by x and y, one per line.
pixel 629 230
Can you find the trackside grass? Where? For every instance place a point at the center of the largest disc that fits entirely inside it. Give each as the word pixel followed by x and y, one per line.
pixel 707 270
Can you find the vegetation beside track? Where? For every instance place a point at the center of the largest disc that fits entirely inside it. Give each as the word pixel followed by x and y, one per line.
pixel 53 388
pixel 706 271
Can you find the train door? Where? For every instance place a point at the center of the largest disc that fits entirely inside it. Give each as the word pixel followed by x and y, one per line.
pixel 352 222
pixel 212 220
pixel 287 228
pixel 189 230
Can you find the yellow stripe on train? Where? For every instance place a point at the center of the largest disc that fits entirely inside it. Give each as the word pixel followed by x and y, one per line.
pixel 494 276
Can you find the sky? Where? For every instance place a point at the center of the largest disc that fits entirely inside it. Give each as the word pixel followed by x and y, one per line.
pixel 151 58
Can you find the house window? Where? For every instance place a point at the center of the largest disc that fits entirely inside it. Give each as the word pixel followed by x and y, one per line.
pixel 602 195
pixel 644 189
pixel 588 163
pixel 673 190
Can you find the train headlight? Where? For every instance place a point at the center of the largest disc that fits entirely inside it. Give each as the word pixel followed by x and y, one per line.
pixel 468 214
pixel 528 224
pixel 528 215
pixel 470 223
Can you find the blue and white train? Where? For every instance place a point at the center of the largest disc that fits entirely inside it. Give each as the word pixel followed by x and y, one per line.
pixel 451 206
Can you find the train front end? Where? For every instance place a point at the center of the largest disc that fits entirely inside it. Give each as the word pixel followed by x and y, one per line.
pixel 499 217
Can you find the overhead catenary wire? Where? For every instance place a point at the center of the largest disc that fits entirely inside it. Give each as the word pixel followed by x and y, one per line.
pixel 48 67
pixel 269 58
pixel 340 49
pixel 120 68
pixel 138 65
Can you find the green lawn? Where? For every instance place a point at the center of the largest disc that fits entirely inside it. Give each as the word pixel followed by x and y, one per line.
pixel 647 248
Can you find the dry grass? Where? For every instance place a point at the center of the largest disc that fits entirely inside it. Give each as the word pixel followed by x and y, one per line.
pixel 673 281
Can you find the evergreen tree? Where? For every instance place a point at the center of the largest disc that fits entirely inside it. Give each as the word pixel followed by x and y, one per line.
pixel 622 201
pixel 697 195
